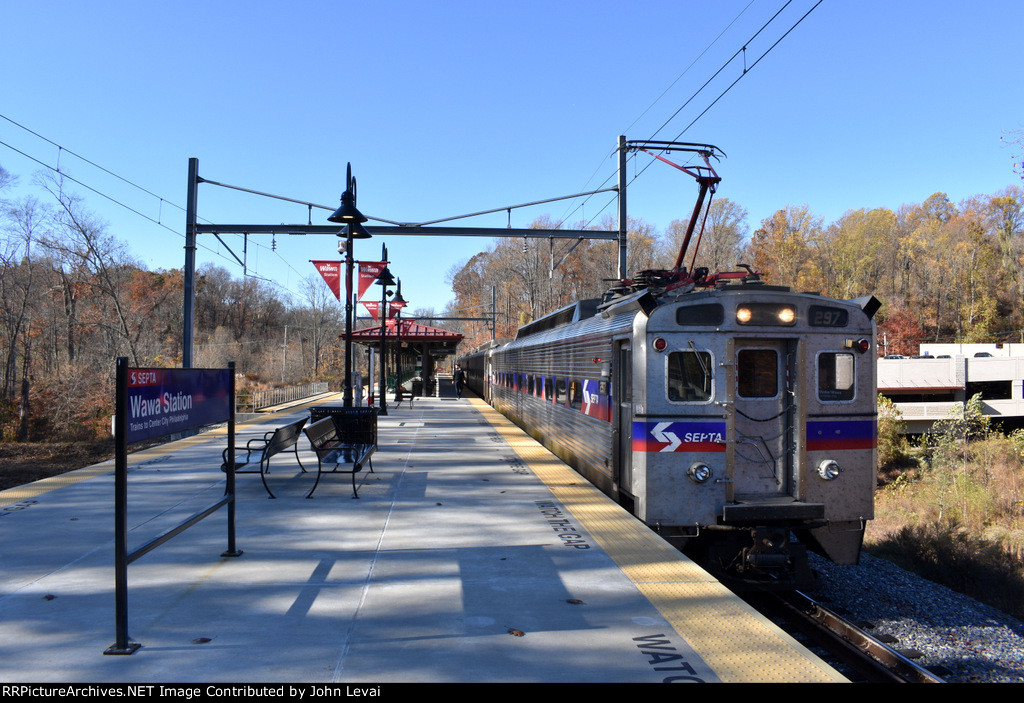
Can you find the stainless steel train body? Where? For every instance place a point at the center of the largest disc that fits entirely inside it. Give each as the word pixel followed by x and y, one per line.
pixel 728 419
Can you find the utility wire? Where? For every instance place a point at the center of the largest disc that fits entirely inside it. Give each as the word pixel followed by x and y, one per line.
pixel 741 51
pixel 663 94
pixel 746 70
pixel 91 163
pixel 157 222
pixel 687 70
pixel 728 61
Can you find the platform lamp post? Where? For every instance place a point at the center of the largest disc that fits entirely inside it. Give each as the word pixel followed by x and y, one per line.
pixel 384 279
pixel 398 303
pixel 348 215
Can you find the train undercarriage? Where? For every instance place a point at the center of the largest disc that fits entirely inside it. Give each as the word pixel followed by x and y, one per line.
pixel 755 557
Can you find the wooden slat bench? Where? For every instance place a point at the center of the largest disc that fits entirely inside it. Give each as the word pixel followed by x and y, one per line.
pixel 344 442
pixel 260 450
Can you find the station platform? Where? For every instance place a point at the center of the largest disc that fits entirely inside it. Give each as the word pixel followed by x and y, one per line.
pixel 472 555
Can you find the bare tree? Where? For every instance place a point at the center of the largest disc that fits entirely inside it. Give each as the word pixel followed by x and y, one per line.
pixel 81 244
pixel 321 319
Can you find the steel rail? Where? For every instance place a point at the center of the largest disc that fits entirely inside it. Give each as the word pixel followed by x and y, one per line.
pixel 877 661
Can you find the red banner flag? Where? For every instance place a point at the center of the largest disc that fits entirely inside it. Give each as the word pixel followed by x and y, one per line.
pixel 331 271
pixel 368 272
pixel 373 307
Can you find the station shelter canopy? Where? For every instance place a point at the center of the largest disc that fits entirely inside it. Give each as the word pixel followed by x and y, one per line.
pixel 421 349
pixel 440 342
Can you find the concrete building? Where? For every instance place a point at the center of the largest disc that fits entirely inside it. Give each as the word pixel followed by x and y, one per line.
pixel 926 388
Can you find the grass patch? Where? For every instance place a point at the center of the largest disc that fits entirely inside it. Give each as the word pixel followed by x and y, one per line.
pixel 951 508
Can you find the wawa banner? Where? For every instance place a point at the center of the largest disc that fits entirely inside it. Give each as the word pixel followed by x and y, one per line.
pixel 373 306
pixel 162 401
pixel 368 272
pixel 331 271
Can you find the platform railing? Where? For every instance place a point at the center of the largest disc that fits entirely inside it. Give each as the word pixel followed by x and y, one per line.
pixel 257 400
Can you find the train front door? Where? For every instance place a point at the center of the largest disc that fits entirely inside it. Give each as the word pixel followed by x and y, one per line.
pixel 763 419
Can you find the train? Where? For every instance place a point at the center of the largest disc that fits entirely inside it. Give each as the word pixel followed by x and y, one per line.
pixel 736 418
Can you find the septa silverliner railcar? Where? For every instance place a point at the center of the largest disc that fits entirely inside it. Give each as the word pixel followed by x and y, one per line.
pixel 739 420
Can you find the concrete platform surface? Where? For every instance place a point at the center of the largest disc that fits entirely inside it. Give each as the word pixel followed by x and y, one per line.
pixel 471 555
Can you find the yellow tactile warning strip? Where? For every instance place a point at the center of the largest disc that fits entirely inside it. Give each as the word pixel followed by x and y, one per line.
pixel 31 490
pixel 739 644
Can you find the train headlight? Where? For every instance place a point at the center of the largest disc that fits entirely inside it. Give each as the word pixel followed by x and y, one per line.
pixel 699 472
pixel 829 469
pixel 768 314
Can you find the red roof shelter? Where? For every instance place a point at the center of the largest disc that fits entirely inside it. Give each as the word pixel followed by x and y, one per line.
pixel 422 346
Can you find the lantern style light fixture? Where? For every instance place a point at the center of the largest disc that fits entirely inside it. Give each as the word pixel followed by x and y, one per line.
pixel 398 302
pixel 349 215
pixel 384 280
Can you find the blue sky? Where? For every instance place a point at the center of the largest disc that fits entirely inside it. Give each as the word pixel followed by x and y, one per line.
pixel 447 108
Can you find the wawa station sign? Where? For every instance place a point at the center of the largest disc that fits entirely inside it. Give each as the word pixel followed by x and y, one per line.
pixel 151 403
pixel 166 401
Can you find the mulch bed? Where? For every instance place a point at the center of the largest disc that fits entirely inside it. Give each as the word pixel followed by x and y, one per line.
pixel 24 462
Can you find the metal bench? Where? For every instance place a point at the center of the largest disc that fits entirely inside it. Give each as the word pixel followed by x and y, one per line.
pixel 333 447
pixel 260 450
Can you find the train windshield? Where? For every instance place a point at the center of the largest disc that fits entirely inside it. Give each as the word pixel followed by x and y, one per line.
pixel 835 376
pixel 758 373
pixel 689 376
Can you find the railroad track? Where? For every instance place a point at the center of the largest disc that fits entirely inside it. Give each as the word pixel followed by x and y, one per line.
pixel 862 657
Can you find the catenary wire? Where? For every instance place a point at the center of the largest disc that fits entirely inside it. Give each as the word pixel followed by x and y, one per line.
pixel 746 70
pixel 157 222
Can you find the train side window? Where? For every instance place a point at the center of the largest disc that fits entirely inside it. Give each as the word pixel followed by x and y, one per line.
pixel 529 384
pixel 689 376
pixel 576 395
pixel 757 373
pixel 560 391
pixel 549 388
pixel 836 376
